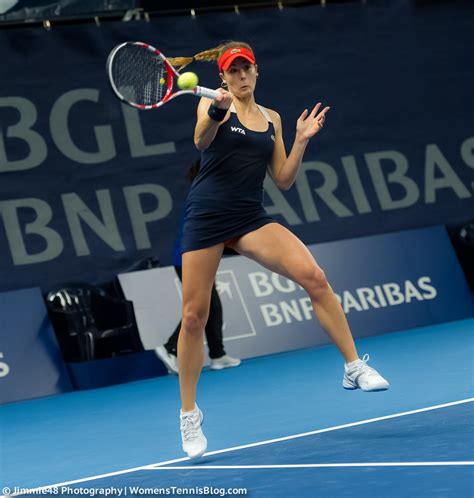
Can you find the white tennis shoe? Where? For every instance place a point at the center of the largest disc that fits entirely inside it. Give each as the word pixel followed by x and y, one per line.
pixel 194 441
pixel 170 360
pixel 225 361
pixel 358 375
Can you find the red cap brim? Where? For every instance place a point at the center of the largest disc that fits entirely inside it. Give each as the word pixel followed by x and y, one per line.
pixel 229 56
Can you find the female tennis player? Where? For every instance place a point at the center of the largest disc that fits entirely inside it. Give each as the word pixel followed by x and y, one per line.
pixel 239 140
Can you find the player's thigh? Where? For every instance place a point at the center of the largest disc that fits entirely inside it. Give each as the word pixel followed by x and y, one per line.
pixel 199 271
pixel 279 250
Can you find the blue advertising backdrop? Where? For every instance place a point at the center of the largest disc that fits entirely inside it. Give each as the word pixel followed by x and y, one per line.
pixel 31 364
pixel 89 186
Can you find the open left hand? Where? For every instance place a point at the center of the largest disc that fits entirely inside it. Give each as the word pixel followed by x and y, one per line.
pixel 308 125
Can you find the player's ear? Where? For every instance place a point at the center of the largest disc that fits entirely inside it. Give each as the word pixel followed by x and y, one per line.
pixel 256 69
pixel 223 82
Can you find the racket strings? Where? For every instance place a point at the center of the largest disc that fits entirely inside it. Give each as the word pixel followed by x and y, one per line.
pixel 140 76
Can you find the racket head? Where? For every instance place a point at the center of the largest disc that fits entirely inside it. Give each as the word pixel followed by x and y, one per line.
pixel 140 75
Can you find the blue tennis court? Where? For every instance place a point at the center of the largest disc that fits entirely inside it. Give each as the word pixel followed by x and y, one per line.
pixel 287 429
pixel 324 195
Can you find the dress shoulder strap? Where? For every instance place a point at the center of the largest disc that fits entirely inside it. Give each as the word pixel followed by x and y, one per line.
pixel 265 113
pixel 262 110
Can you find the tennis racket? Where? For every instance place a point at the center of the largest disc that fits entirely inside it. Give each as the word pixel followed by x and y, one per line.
pixel 142 77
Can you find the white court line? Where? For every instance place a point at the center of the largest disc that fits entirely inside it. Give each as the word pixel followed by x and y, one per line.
pixel 320 431
pixel 318 465
pixel 154 466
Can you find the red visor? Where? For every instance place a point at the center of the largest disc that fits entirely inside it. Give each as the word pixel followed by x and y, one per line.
pixel 226 59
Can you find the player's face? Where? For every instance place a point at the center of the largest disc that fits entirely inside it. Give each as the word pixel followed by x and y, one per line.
pixel 241 77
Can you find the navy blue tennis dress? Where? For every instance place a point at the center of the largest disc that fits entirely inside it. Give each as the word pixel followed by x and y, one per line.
pixel 226 197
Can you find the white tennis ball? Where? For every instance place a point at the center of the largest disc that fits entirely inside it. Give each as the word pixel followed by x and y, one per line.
pixel 187 81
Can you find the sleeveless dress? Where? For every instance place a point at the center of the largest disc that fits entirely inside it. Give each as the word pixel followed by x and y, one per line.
pixel 226 197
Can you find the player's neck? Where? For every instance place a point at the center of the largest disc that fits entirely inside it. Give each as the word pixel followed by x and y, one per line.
pixel 244 106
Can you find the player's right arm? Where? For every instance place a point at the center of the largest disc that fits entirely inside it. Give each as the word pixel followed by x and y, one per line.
pixel 206 127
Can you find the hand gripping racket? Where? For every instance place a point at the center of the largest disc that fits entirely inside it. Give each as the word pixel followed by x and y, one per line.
pixel 141 76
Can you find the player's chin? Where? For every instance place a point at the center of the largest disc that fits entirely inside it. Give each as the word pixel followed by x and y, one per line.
pixel 245 90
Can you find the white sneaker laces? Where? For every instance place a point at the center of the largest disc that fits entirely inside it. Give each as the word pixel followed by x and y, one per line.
pixel 188 427
pixel 362 366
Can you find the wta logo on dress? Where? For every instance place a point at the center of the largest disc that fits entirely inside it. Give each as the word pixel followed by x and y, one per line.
pixel 235 129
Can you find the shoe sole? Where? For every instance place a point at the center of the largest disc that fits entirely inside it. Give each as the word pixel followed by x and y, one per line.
pixel 349 386
pixel 366 390
pixel 222 368
pixel 199 455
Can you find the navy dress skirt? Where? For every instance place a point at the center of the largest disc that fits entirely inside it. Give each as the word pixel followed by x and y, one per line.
pixel 226 197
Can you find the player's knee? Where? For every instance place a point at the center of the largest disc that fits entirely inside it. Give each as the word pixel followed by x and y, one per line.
pixel 315 281
pixel 194 321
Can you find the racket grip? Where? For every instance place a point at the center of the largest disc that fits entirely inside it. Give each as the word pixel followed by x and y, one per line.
pixel 201 91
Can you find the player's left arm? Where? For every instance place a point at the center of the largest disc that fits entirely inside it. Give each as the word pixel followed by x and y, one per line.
pixel 284 169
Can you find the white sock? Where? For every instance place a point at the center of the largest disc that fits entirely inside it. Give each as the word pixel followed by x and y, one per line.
pixel 192 412
pixel 352 364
